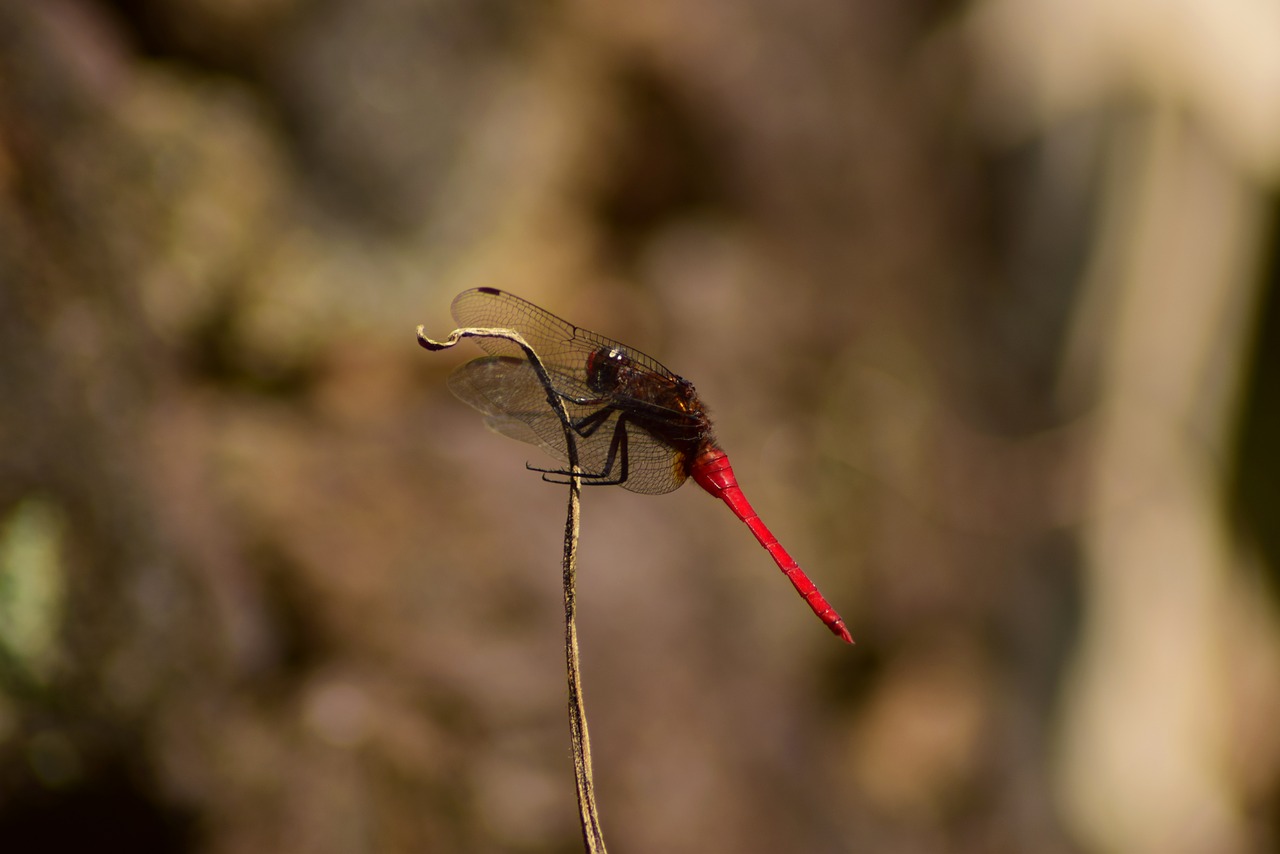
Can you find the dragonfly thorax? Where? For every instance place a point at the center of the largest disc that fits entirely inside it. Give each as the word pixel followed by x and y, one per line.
pixel 662 404
pixel 604 367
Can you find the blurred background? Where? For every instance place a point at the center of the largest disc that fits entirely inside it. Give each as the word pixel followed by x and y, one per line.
pixel 983 297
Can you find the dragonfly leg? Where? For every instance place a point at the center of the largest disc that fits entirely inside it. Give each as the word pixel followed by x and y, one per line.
pixel 617 456
pixel 589 424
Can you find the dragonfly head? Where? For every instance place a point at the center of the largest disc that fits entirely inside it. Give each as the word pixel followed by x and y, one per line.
pixel 603 367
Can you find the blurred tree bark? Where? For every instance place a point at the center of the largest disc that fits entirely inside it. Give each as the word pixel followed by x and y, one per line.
pixel 872 236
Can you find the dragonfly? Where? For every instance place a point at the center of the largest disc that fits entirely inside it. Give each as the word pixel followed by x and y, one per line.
pixel 635 423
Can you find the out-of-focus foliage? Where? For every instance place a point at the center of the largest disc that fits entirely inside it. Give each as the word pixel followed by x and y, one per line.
pixel 976 293
pixel 30 588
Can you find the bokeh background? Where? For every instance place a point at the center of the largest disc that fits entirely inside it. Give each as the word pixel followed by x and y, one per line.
pixel 983 297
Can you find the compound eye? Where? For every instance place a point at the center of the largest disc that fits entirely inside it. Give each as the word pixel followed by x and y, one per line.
pixel 602 368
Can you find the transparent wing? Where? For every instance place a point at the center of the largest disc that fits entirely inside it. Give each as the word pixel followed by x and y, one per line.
pixel 562 347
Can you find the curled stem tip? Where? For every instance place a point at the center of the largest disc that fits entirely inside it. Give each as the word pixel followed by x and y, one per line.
pixel 433 345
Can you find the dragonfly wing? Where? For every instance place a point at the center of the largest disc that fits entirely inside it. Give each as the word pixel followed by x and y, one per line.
pixel 499 385
pixel 550 337
pixel 514 428
pixel 507 390
pixel 563 348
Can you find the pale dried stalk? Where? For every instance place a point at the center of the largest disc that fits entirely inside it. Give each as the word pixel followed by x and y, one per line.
pixel 592 834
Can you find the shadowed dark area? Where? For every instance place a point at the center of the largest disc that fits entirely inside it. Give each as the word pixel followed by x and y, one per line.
pixel 108 808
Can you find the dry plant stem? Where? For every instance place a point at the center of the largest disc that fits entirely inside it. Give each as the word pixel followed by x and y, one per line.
pixel 592 835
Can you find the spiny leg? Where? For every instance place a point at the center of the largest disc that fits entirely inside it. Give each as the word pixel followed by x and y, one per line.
pixel 618 454
pixel 589 424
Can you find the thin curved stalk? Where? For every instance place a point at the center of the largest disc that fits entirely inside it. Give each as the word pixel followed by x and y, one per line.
pixel 588 815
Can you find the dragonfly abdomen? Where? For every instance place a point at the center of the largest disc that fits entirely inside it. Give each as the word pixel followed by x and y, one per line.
pixel 712 471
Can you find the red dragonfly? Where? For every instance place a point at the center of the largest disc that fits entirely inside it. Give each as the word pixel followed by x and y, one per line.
pixel 636 424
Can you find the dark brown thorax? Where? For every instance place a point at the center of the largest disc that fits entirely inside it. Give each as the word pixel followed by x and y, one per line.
pixel 665 405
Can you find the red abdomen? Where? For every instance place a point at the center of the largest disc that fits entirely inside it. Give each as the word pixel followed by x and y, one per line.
pixel 712 471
